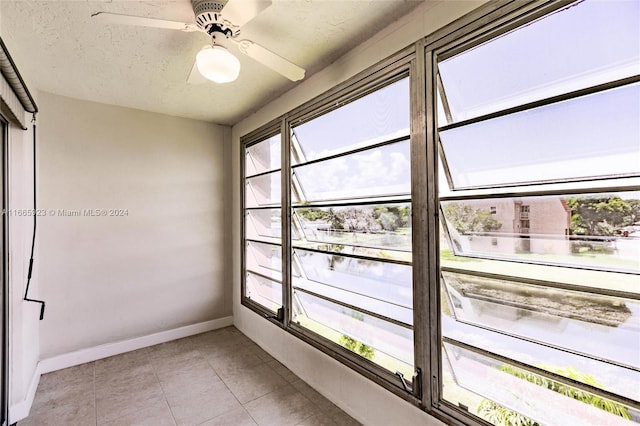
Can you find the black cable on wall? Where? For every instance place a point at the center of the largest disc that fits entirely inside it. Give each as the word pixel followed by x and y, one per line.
pixel 35 227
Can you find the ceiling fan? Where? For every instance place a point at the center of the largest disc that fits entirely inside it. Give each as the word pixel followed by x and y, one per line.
pixel 221 22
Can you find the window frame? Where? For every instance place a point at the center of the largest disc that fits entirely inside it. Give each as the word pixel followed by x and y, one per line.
pixel 419 60
pixel 398 66
pixel 494 24
pixel 4 360
pixel 255 137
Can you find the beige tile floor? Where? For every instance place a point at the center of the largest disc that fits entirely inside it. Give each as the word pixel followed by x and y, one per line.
pixel 212 379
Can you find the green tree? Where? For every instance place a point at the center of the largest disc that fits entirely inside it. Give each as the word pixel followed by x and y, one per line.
pixel 601 215
pixel 634 215
pixel 465 218
pixel 360 219
pixel 391 218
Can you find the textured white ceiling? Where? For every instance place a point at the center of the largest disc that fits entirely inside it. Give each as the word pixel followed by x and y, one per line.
pixel 64 52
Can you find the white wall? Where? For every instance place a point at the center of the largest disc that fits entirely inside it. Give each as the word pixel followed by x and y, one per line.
pixel 361 398
pixel 161 266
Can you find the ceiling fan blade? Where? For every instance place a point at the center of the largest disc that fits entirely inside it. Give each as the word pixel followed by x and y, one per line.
pixel 270 59
pixel 116 18
pixel 239 12
pixel 195 77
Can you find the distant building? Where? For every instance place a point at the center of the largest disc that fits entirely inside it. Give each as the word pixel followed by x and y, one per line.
pixel 531 225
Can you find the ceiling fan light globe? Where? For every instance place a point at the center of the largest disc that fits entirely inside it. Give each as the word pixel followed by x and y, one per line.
pixel 217 64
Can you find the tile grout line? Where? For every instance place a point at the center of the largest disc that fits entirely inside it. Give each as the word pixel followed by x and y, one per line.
pixel 312 403
pixel 164 395
pixel 249 414
pixel 225 385
pixel 229 389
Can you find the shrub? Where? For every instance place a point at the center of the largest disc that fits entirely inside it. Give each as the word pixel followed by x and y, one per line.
pixel 358 347
pixel 499 415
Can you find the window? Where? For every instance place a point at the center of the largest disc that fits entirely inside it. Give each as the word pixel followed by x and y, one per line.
pixel 461 223
pixel 537 323
pixel 263 224
pixel 351 176
pixel 340 236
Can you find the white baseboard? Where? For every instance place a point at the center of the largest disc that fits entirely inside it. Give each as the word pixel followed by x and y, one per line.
pixel 110 349
pixel 21 409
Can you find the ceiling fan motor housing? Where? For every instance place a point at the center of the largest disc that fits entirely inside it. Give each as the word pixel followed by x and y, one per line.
pixel 209 18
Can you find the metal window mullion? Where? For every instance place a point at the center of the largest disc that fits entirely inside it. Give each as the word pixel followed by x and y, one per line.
pixel 435 332
pixel 420 224
pixel 285 215
pixel 243 224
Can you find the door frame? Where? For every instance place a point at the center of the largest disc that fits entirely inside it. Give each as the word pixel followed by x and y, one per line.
pixel 4 367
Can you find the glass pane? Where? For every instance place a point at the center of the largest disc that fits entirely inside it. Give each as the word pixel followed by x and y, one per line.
pixel 591 136
pixel 381 287
pixel 265 259
pixel 264 223
pixel 603 327
pixel 588 278
pixel 386 344
pixel 266 292
pixel 377 172
pixel 591 230
pixel 263 190
pixel 542 59
pixel 377 117
pixel 375 226
pixel 263 156
pixel 390 282
pixel 513 396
